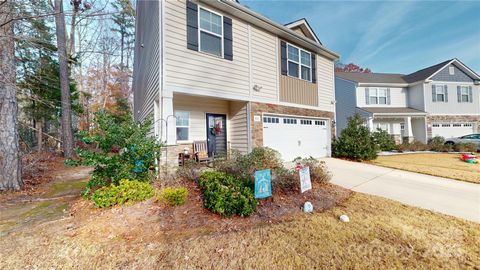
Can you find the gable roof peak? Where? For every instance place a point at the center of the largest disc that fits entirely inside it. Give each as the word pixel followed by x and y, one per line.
pixel 305 26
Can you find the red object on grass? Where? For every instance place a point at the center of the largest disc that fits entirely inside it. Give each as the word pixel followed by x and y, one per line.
pixel 467 157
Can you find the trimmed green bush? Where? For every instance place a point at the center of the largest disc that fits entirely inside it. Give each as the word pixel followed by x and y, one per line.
pixel 225 195
pixel 125 191
pixel 355 141
pixel 173 196
pixel 383 140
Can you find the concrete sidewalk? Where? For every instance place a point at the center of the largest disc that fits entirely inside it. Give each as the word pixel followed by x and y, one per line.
pixel 452 197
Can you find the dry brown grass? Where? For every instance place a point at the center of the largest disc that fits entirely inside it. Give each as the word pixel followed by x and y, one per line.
pixel 441 164
pixel 382 234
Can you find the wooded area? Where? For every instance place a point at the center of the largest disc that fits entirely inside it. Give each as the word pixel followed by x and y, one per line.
pixel 60 62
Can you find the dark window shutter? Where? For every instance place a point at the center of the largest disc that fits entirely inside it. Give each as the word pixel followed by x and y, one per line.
pixel 314 68
pixel 434 93
pixel 192 26
pixel 459 94
pixel 367 96
pixel 446 93
pixel 283 53
pixel 227 39
pixel 389 99
pixel 470 94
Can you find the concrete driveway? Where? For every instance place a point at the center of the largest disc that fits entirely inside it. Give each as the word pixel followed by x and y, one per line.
pixel 452 197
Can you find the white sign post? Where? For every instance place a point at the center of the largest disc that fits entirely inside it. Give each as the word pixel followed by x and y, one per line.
pixel 305 182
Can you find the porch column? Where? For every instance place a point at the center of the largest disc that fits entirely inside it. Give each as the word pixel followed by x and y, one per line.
pixel 370 124
pixel 408 132
pixel 168 119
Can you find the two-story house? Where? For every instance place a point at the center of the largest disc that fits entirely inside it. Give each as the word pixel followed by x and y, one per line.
pixel 441 100
pixel 219 72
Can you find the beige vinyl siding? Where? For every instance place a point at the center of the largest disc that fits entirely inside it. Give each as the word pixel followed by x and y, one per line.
pixel 398 97
pixel 326 83
pixel 188 68
pixel 146 77
pixel 238 126
pixel 264 63
pixel 415 97
pixel 452 106
pixel 294 90
pixel 198 107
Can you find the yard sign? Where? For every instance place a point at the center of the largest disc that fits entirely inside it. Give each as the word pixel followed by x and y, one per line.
pixel 305 182
pixel 263 184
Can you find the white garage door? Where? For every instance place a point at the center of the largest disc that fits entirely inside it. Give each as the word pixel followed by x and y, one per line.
pixel 450 130
pixel 296 137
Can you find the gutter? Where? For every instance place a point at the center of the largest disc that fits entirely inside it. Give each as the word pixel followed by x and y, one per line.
pixel 333 55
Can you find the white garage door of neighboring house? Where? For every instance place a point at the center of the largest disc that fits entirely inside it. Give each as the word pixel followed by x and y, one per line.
pixel 450 130
pixel 296 137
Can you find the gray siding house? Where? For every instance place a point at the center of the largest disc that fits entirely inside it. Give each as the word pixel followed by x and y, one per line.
pixel 218 72
pixel 441 100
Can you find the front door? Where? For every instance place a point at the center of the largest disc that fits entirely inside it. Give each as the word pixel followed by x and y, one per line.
pixel 217 134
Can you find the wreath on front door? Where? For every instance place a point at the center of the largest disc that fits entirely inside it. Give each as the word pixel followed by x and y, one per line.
pixel 216 129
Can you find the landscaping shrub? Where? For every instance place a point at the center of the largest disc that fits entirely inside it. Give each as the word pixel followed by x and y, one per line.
pixel 355 141
pixel 318 169
pixel 414 146
pixel 465 147
pixel 173 196
pixel 191 170
pixel 383 140
pixel 123 150
pixel 285 180
pixel 225 195
pixel 244 166
pixel 437 143
pixel 125 191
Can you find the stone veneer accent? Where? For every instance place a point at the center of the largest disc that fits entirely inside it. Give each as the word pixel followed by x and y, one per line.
pixel 173 151
pixel 475 119
pixel 259 108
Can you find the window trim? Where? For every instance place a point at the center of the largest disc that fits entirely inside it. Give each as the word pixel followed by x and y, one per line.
pixel 299 62
pixel 467 94
pixel 222 36
pixel 377 96
pixel 444 93
pixel 176 126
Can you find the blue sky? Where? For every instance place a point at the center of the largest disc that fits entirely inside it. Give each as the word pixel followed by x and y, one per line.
pixel 393 36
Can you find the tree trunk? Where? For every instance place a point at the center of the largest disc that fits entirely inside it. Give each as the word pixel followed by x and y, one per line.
pixel 39 127
pixel 67 133
pixel 10 161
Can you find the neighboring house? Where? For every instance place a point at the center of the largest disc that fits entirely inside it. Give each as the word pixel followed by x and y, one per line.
pixel 441 100
pixel 217 71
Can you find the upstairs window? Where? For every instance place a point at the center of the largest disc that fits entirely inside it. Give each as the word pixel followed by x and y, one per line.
pixel 464 94
pixel 211 32
pixel 378 96
pixel 440 93
pixel 299 63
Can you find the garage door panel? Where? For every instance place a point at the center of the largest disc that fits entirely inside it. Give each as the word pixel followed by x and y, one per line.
pixel 450 130
pixel 296 140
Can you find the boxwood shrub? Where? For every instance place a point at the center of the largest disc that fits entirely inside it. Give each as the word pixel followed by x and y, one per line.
pixel 125 191
pixel 226 195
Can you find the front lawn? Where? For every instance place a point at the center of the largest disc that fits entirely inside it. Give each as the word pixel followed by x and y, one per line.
pixel 441 164
pixel 381 234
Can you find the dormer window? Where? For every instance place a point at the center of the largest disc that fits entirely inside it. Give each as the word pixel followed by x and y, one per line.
pixel 299 63
pixel 211 32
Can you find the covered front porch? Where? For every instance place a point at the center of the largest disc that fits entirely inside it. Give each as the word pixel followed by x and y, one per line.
pixel 181 120
pixel 404 124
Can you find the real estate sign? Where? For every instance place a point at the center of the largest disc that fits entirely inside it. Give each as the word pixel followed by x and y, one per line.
pixel 305 182
pixel 263 184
